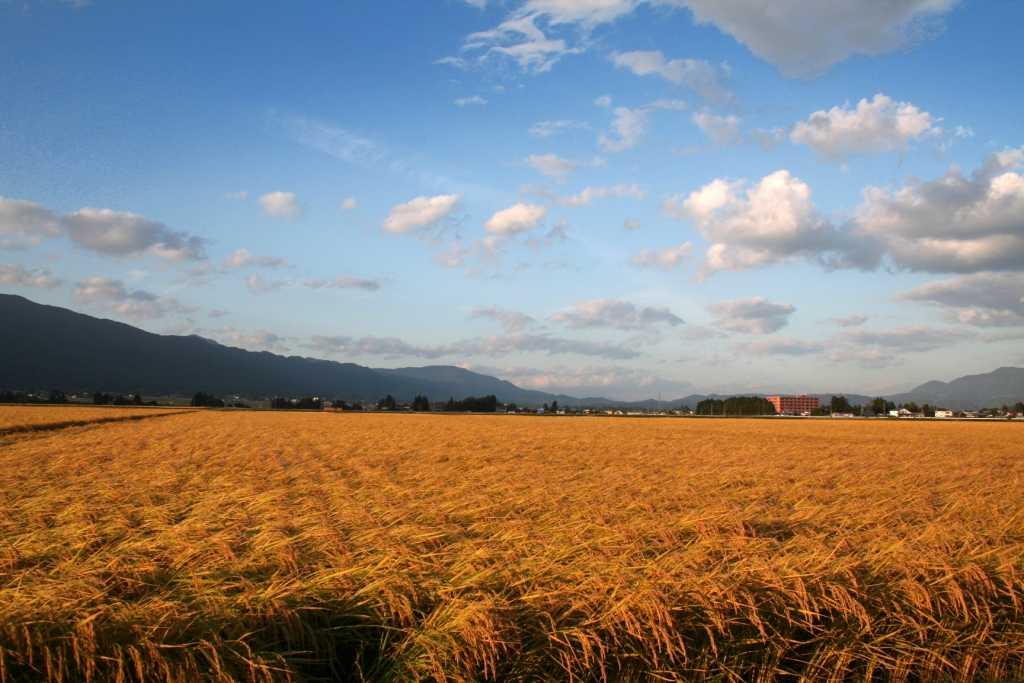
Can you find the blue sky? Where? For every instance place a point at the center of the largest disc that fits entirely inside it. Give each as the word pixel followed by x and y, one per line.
pixel 622 197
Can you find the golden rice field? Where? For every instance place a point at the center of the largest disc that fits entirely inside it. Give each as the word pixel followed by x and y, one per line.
pixel 28 418
pixel 218 545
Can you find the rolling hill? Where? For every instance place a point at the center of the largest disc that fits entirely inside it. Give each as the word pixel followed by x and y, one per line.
pixel 44 347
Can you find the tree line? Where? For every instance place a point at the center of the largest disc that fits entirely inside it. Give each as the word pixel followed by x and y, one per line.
pixel 735 405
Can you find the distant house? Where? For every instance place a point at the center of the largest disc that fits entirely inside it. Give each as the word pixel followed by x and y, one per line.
pixel 944 413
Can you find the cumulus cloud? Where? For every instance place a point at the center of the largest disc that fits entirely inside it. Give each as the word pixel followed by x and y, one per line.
pixel 104 231
pixel 120 233
pixel 243 258
pixel 770 222
pixel 474 100
pixel 981 299
pixel 343 282
pixel 281 205
pixel 665 259
pixel 955 224
pixel 26 224
pixel 877 125
pixel 511 321
pixel 19 276
pixel 751 316
pixel 696 74
pixel 720 129
pixel 481 346
pixel 420 212
pixel 515 219
pixel 113 296
pixel 616 314
pixel 805 39
pixel 800 38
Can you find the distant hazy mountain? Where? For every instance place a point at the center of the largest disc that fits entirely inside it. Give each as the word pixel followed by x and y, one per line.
pixel 1002 386
pixel 47 347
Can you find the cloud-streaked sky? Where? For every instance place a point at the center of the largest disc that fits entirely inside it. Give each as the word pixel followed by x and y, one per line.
pixel 622 197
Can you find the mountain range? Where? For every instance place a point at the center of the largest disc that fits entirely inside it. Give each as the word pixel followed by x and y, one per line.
pixel 44 347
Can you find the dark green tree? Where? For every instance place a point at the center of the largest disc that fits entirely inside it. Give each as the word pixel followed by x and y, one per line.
pixel 839 404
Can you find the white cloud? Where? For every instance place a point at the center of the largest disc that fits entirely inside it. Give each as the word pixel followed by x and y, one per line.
pixel 800 38
pixel 255 340
pixel 25 224
pixel 589 194
pixel 243 258
pixel 546 129
pixel 474 100
pixel 779 347
pixel 806 38
pixel 768 138
pixel 420 212
pixel 612 381
pixel 112 295
pixel 722 130
pixel 696 74
pixel 877 125
pixel 751 316
pixel 519 39
pixel 589 13
pixel 457 62
pixel 281 205
pixel 349 203
pixel 258 284
pixel 120 233
pixel 552 165
pixel 981 299
pixel 616 314
pixel 914 338
pixel 343 282
pixel 629 125
pixel 19 276
pixel 954 224
pixel 603 101
pixel 515 219
pixel 850 320
pixel 770 222
pixel 480 346
pixel 665 259
pixel 511 321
